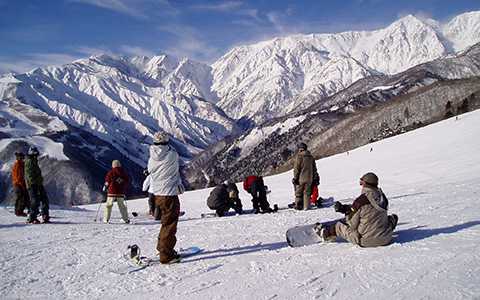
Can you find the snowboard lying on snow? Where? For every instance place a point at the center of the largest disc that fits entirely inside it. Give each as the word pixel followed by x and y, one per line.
pixel 233 213
pixel 305 235
pixel 137 262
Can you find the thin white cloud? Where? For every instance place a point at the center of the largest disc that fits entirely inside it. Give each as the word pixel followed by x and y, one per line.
pixel 38 60
pixel 219 7
pixel 135 51
pixel 122 6
pixel 189 43
pixel 32 61
pixel 140 9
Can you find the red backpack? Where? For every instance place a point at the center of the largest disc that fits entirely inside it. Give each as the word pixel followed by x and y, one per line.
pixel 247 183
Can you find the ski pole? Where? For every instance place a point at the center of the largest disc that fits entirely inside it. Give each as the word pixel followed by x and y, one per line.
pixel 98 209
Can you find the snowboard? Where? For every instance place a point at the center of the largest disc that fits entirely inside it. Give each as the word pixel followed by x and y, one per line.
pixel 141 262
pixel 233 213
pixel 305 235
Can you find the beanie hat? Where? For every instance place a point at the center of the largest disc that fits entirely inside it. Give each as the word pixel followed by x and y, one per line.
pixel 161 137
pixel 302 146
pixel 19 154
pixel 370 178
pixel 116 164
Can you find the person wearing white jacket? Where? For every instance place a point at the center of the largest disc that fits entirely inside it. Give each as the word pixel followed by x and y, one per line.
pixel 166 185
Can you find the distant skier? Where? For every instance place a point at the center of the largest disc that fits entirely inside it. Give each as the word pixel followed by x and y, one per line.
pixel 254 186
pixel 116 184
pixel 303 172
pixel 36 191
pixel 166 185
pixel 223 198
pixel 367 223
pixel 22 200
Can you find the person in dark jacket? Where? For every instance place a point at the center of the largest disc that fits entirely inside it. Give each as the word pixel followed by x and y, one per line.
pixel 36 191
pixel 366 221
pixel 224 197
pixel 303 172
pixel 259 196
pixel 116 183
pixel 22 200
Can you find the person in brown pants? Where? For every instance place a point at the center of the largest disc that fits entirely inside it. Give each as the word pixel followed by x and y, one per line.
pixel 166 185
pixel 170 207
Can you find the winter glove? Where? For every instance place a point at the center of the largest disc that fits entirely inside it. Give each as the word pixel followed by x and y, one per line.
pixel 295 181
pixel 105 187
pixel 341 208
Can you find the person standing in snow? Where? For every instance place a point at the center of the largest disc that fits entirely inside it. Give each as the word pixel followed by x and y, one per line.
pixel 367 223
pixel 36 191
pixel 315 199
pixel 19 186
pixel 303 172
pixel 223 197
pixel 116 183
pixel 166 185
pixel 154 210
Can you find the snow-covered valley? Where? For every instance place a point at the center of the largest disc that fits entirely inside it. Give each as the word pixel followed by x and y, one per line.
pixel 431 176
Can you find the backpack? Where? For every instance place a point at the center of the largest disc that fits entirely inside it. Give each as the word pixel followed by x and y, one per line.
pixel 247 182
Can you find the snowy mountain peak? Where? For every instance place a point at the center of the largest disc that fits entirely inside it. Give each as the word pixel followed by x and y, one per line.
pixel 268 78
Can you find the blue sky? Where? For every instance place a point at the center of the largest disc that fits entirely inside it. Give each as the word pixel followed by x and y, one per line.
pixel 50 32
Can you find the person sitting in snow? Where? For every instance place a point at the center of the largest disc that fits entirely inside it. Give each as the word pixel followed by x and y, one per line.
pixel 116 183
pixel 224 197
pixel 366 223
pixel 22 200
pixel 36 190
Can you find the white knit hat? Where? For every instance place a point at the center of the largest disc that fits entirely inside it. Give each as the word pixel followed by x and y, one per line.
pixel 116 164
pixel 161 137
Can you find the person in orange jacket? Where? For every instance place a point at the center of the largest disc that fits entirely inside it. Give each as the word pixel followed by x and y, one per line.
pixel 22 200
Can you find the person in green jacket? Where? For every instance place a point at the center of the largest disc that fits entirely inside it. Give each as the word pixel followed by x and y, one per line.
pixel 36 191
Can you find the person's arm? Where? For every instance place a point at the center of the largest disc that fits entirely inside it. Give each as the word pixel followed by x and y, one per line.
pixel 297 168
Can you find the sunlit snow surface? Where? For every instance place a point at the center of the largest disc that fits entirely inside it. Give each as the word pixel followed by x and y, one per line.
pixel 431 176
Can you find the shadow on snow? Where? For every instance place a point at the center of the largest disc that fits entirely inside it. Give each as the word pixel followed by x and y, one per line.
pixel 417 233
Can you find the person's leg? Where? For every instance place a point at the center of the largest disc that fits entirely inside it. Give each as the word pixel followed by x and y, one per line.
pixel 123 208
pixel 45 204
pixel 343 230
pixel 299 196
pixel 170 207
pixel 35 202
pixel 18 200
pixel 307 193
pixel 151 204
pixel 108 209
pixel 26 199
pixel 256 204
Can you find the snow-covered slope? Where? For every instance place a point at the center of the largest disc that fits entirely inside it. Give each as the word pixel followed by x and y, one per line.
pixel 274 77
pixel 125 100
pixel 434 254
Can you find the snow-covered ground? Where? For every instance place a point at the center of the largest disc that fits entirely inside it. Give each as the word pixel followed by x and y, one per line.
pixel 431 175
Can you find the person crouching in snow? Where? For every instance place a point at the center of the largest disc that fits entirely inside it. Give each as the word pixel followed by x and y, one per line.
pixel 116 183
pixel 223 197
pixel 367 223
pixel 166 185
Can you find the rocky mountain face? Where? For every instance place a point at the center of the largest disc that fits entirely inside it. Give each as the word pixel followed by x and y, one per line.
pixel 272 78
pixel 370 109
